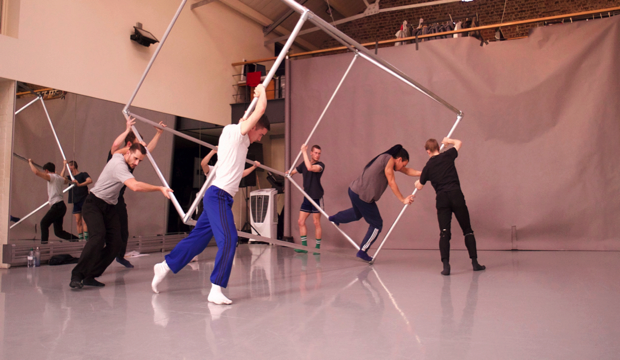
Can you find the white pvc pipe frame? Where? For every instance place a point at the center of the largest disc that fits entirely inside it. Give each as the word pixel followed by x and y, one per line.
pixel 330 30
pixel 187 216
pixel 382 64
pixel 40 98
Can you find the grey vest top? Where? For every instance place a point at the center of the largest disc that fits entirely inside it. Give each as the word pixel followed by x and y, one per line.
pixel 373 182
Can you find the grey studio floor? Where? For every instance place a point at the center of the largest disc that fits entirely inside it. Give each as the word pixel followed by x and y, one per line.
pixel 526 305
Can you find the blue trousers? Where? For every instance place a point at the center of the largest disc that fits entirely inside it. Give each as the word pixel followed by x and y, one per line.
pixel 362 209
pixel 215 221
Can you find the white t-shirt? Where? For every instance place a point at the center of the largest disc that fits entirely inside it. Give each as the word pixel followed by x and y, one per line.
pixel 231 153
pixel 112 179
pixel 54 189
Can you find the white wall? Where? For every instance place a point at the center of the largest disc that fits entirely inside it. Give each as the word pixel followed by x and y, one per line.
pixel 83 47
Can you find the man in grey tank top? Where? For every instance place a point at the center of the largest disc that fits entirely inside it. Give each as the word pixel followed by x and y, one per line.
pixel 367 189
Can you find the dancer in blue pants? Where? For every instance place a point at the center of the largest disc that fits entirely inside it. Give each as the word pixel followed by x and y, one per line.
pixel 367 189
pixel 217 218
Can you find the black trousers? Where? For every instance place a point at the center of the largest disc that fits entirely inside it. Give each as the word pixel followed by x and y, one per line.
pixel 121 210
pixel 454 202
pixel 55 215
pixel 104 238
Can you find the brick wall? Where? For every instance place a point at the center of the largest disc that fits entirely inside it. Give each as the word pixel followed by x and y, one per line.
pixel 383 26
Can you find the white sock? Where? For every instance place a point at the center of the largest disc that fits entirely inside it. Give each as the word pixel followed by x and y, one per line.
pixel 160 270
pixel 216 296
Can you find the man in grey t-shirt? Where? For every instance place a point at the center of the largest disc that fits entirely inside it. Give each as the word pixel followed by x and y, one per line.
pixel 102 218
pixel 367 189
pixel 56 214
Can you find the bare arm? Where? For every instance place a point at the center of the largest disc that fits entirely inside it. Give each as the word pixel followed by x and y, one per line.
pixel 153 143
pixel 139 186
pixel 457 143
pixel 38 173
pixel 410 172
pixel 418 185
pixel 307 162
pixel 247 171
pixel 292 172
pixel 64 168
pixel 119 142
pixel 389 173
pixel 250 122
pixel 205 161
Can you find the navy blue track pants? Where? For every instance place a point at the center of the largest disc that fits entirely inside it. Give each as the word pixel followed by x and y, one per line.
pixel 215 221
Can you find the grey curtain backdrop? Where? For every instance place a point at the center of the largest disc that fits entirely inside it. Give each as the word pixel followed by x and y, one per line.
pixel 540 136
pixel 86 128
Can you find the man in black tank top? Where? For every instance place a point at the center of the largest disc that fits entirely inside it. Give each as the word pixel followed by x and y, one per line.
pixel 366 190
pixel 441 172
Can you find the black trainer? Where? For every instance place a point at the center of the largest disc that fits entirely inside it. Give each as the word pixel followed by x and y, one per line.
pixel 76 284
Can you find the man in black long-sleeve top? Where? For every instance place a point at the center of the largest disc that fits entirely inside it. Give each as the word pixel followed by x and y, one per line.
pixel 441 172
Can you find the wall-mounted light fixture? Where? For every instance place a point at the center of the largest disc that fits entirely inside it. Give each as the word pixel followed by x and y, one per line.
pixel 142 36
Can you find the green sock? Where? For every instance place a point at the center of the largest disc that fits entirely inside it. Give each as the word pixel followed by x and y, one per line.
pixel 85 235
pixel 318 245
pixel 304 242
pixel 81 236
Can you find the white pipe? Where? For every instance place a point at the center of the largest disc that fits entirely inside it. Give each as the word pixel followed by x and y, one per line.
pixel 278 61
pixel 25 106
pixel 200 142
pixel 324 110
pixel 39 208
pixel 148 67
pixel 322 211
pixel 174 200
pixel 458 119
pixel 200 195
pixel 57 141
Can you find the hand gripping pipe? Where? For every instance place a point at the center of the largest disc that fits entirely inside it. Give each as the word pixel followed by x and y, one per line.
pixel 458 119
pixel 39 208
pixel 318 207
pixel 56 137
pixel 324 110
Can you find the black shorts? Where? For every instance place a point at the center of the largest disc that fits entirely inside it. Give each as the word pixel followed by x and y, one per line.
pixel 77 207
pixel 307 206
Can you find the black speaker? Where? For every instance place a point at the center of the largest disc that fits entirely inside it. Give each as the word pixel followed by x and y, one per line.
pixel 255 152
pixel 277 50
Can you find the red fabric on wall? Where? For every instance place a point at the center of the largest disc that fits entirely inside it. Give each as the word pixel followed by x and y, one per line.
pixel 253 78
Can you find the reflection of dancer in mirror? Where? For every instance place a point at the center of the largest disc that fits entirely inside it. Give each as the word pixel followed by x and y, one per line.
pixel 312 170
pixel 217 218
pixel 77 195
pixel 128 138
pixel 367 189
pixel 56 213
pixel 102 218
pixel 441 172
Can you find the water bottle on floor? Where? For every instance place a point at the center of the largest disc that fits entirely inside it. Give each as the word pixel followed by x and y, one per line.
pixel 31 258
pixel 37 257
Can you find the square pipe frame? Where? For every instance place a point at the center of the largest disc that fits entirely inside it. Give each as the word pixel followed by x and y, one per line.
pixel 40 98
pixel 126 113
pixel 382 64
